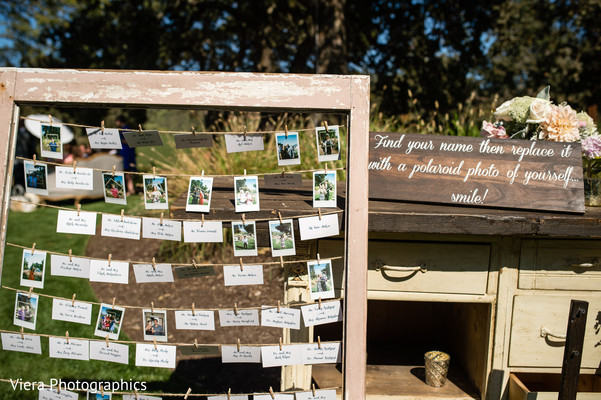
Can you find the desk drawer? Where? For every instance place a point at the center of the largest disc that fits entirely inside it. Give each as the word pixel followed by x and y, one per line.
pixel 460 268
pixel 560 265
pixel 528 348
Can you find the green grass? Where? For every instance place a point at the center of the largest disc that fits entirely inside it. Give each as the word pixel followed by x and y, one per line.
pixel 40 227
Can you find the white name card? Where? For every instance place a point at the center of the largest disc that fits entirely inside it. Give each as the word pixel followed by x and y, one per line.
pixel 145 273
pixel 244 318
pixel 70 222
pixel 80 179
pixel 330 353
pixel 107 139
pixel 285 318
pixel 27 344
pixel 328 313
pixel 51 394
pixel 290 354
pixel 168 230
pixel 76 267
pixel 197 232
pixel 114 226
pixel 238 143
pixel 75 350
pixel 233 275
pixel 66 310
pixel 314 228
pixel 329 394
pixel 201 320
pixel 115 352
pixel 161 357
pixel 116 272
pixel 246 354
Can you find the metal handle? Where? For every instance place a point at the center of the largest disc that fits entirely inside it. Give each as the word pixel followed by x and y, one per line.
pixel 546 332
pixel 397 268
pixel 586 265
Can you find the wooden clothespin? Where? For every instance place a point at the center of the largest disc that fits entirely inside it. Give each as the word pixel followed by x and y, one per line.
pixel 195 343
pixel 102 126
pixel 188 393
pixel 244 132
pixel 319 213
pixel 113 306
pixel 319 341
pixel 193 311
pixel 101 391
pixel 74 166
pixel 271 392
pixel 67 337
pixel 229 393
pixel 110 256
pixel 107 340
pixel 319 302
pixel 154 340
pixel 140 128
pixel 154 172
pixel 243 219
pixel 286 131
pixel 194 264
pixel 78 209
pixel 122 212
pixel 70 255
pixel 34 159
pixel 245 172
pixel 32 249
pixel 202 220
pixel 281 343
pixel 202 173
pixel 154 267
pixel 318 259
pixel 278 306
pixel 313 389
pixel 136 393
pixel 73 301
pixel 22 335
pixel 241 265
pixel 193 131
pixel 325 169
pixel 58 389
pixel 235 308
pixel 281 262
pixel 152 307
pixel 114 166
pixel 325 125
pixel 238 345
pixel 280 217
pixel 161 219
pixel 30 291
pixel 50 119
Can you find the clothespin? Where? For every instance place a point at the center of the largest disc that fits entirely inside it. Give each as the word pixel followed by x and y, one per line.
pixel 243 219
pixel 102 126
pixel 154 267
pixel 286 131
pixel 319 213
pixel 107 340
pixel 32 249
pixel 152 307
pixel 325 169
pixel 101 391
pixel 161 219
pixel 74 166
pixel 318 259
pixel 73 301
pixel 154 172
pixel 187 393
pixel 235 308
pixel 30 291
pixel 202 220
pixel 244 132
pixel 58 389
pixel 281 262
pixel 238 344
pixel 283 172
pixel 241 265
pixel 313 389
pixel 193 313
pixel 22 335
pixel 67 337
pixel 280 217
pixel 70 255
pixel 281 343
pixel 110 256
pixel 155 343
pixel 78 209
pixel 193 131
pixel 113 306
pixel 136 393
pixel 325 125
pixel 195 343
pixel 194 264
pixel 245 172
pixel 319 341
pixel 140 128
pixel 229 393
pixel 50 119
pixel 202 173
pixel 114 166
pixel 34 159
pixel 122 212
pixel 278 306
pixel 271 393
pixel 319 302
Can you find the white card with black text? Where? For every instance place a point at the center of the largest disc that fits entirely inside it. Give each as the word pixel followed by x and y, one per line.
pixel 152 228
pixel 283 318
pixel 315 228
pixel 159 356
pixel 290 354
pixel 199 232
pixel 82 223
pixel 231 397
pixel 329 312
pixel 277 396
pixel 70 311
pixel 238 143
pixel 52 394
pixel 74 178
pixel 328 394
pixel 234 275
pixel 27 344
pixel 140 397
pixel 76 267
pixel 76 349
pixel 147 273
pixel 115 352
pixel 113 272
pixel 243 318
pixel 199 320
pixel 246 354
pixel 107 138
pixel 125 228
pixel 329 353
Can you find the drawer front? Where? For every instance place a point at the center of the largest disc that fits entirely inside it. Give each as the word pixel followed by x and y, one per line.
pixel 560 265
pixel 532 314
pixel 460 268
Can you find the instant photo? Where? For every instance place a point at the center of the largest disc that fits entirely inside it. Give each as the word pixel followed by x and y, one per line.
pixel 288 148
pixel 322 281
pixel 155 193
pixel 32 268
pixel 244 238
pixel 246 190
pixel 114 188
pixel 328 143
pixel 200 190
pixel 155 325
pixel 109 321
pixel 26 310
pixel 36 177
pixel 51 141
pixel 281 235
pixel 324 189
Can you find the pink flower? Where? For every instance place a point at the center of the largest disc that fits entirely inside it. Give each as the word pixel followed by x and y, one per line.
pixel 560 125
pixel 491 130
pixel 591 147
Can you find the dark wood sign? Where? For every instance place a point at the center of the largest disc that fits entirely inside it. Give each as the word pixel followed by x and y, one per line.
pixel 502 173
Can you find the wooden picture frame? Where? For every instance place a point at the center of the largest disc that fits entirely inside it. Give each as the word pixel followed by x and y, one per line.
pixel 223 91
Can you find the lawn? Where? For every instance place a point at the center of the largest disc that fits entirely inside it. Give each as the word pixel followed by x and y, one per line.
pixel 40 227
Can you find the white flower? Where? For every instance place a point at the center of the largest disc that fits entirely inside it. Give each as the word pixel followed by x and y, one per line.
pixel 538 110
pixel 502 112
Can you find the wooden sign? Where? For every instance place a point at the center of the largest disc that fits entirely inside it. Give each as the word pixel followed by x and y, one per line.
pixel 472 171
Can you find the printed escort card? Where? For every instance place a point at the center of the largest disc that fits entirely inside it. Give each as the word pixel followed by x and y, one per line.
pixel 115 352
pixel 190 271
pixel 197 232
pixel 238 143
pixel 188 141
pixel 121 227
pixel 199 350
pixel 234 275
pixel 290 354
pixel 76 349
pixel 329 312
pixel 83 222
pixel 284 318
pixel 143 138
pixel 107 138
pixel 140 397
pixel 199 320
pixel 277 396
pixel 152 228
pixel 246 354
pixel 147 273
pixel 281 181
pixel 315 228
pixel 52 394
pixel 27 344
pixel 329 394
pixel 75 267
pixel 67 310
pixel 228 397
pixel 329 353
pixel 74 178
pixel 161 357
pixel 243 318
pixel 105 271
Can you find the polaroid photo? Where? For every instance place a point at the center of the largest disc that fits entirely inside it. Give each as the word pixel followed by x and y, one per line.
pixel 200 191
pixel 36 177
pixel 288 148
pixel 99 396
pixel 33 267
pixel 109 321
pixel 244 238
pixel 114 188
pixel 282 238
pixel 155 325
pixel 246 191
pixel 324 189
pixel 26 310
pixel 51 141
pixel 155 192
pixel 322 281
pixel 328 143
